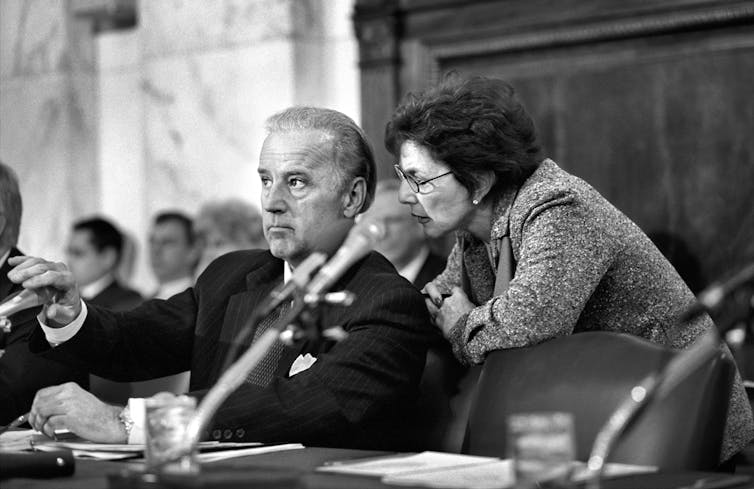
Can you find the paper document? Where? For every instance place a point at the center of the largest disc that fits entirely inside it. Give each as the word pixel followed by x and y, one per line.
pixel 209 451
pixel 404 463
pixel 449 470
pixel 215 456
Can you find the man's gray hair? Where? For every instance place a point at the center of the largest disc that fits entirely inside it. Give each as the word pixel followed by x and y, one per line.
pixel 353 153
pixel 10 206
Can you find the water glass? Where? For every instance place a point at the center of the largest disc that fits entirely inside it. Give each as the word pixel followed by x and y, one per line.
pixel 166 446
pixel 542 446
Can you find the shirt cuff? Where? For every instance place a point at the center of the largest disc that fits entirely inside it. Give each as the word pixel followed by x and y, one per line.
pixel 56 336
pixel 137 409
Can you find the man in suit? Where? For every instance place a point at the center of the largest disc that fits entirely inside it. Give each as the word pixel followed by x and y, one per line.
pixel 404 243
pixel 317 173
pixel 173 253
pixel 21 372
pixel 93 253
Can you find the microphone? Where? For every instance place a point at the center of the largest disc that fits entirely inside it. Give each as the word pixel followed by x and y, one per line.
pixel 298 280
pixel 360 241
pixel 26 299
pixel 712 297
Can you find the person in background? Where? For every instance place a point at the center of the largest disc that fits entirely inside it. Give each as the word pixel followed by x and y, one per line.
pixel 539 253
pixel 440 422
pixel 21 372
pixel 404 243
pixel 173 253
pixel 317 173
pixel 93 254
pixel 222 226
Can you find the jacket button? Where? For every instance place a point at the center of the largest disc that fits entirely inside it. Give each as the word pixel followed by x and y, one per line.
pixel 227 434
pixel 216 434
pixel 240 432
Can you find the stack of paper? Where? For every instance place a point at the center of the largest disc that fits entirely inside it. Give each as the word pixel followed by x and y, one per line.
pixel 453 471
pixel 210 451
pixel 432 469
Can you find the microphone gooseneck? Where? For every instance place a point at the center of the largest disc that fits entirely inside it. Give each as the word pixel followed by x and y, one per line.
pixel 711 298
pixel 360 241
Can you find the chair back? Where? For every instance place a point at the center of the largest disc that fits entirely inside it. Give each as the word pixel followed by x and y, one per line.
pixel 588 375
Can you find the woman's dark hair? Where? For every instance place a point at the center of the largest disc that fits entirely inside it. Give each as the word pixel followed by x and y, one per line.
pixel 472 125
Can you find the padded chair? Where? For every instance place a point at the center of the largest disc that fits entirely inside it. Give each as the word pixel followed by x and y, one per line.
pixel 589 375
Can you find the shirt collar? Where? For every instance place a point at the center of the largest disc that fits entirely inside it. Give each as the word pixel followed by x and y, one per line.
pixel 92 290
pixel 168 289
pixel 4 257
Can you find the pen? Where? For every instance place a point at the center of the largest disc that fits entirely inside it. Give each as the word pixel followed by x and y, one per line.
pixel 15 423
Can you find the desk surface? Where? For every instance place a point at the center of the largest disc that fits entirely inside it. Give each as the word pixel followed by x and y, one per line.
pixel 295 468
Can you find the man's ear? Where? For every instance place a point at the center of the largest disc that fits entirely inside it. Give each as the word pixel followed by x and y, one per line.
pixel 485 182
pixel 110 255
pixel 354 198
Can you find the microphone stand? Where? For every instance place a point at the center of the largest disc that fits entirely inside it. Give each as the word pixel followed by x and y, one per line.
pixel 236 374
pixel 285 329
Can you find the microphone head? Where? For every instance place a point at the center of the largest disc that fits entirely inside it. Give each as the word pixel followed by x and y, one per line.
pixel 26 299
pixel 371 229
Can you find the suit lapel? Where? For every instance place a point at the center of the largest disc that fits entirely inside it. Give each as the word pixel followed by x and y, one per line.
pixel 259 283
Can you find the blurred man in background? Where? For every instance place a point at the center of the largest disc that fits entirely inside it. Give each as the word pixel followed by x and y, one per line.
pixel 93 254
pixel 439 423
pixel 222 226
pixel 404 243
pixel 94 251
pixel 173 253
pixel 21 372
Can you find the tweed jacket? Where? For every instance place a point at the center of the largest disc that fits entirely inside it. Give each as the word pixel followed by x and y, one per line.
pixel 580 265
pixel 356 394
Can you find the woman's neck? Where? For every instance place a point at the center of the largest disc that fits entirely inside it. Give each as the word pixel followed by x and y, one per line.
pixel 480 222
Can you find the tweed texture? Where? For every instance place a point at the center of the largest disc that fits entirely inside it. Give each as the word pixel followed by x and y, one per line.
pixel 580 265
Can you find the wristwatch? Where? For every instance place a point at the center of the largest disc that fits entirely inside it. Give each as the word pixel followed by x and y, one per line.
pixel 128 423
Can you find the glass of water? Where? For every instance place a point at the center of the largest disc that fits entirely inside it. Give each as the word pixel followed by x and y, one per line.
pixel 166 446
pixel 542 446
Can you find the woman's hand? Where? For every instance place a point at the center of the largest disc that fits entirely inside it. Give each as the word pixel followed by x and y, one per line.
pixel 445 312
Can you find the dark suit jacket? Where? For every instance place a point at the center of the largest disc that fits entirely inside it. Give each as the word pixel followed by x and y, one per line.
pixel 117 297
pixel 21 372
pixel 356 394
pixel 432 267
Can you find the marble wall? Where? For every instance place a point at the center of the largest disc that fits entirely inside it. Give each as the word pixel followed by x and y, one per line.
pixel 164 115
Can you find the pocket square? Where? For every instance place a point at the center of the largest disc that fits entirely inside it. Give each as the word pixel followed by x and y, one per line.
pixel 301 363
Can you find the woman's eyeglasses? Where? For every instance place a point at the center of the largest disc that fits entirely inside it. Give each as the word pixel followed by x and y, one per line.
pixel 418 187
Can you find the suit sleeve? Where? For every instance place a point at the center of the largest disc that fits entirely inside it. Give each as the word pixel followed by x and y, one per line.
pixel 360 381
pixel 152 340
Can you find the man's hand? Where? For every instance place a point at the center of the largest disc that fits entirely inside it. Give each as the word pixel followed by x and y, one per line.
pixel 53 283
pixel 446 312
pixel 70 407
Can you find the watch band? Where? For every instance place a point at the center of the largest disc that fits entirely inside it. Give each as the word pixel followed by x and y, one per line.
pixel 128 423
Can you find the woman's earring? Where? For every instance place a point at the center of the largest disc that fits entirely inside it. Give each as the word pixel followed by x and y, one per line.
pixel 475 201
